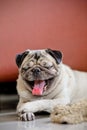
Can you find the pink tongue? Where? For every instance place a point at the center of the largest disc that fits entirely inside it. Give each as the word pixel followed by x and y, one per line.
pixel 38 87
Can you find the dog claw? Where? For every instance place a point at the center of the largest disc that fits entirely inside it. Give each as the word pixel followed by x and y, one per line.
pixel 27 116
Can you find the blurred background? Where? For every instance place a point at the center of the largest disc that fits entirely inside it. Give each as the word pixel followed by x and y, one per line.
pixel 39 24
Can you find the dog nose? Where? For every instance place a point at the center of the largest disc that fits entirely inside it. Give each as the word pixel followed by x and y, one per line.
pixel 36 71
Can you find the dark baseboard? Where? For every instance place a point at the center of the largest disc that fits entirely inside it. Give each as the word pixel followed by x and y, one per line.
pixel 8 96
pixel 8 88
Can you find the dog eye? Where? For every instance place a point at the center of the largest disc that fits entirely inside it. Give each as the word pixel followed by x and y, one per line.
pixel 48 67
pixel 31 63
pixel 25 68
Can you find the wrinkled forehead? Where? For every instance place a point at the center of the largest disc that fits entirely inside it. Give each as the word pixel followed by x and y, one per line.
pixel 37 53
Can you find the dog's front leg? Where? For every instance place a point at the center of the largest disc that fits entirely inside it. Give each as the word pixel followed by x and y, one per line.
pixel 27 109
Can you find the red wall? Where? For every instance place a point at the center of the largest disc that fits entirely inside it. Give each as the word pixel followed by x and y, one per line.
pixel 36 24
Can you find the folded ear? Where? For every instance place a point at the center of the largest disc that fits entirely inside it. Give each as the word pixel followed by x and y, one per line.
pixel 20 57
pixel 57 55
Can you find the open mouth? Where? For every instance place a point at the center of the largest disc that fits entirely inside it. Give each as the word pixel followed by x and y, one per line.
pixel 38 86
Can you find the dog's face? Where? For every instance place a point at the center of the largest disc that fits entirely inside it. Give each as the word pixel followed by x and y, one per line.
pixel 38 68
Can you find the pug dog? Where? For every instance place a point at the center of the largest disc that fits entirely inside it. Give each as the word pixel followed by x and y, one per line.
pixel 44 82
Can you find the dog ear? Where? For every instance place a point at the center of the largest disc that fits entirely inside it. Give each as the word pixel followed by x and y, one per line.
pixel 57 55
pixel 20 57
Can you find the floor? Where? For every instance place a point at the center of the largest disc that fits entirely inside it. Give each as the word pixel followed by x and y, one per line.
pixel 9 119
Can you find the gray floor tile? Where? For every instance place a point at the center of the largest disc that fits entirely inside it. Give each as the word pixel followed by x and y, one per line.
pixel 9 121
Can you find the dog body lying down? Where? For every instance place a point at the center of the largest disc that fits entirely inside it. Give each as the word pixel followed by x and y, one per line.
pixel 44 82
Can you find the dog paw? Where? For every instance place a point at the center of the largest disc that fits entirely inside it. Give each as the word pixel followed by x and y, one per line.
pixel 27 116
